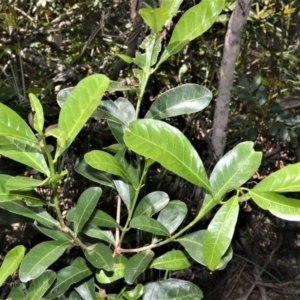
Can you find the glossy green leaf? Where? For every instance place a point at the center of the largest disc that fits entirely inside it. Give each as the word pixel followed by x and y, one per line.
pixel 17 292
pixel 79 107
pixel 171 5
pixel 126 58
pixel 109 110
pixel 86 290
pixel 172 289
pixel 36 213
pixel 149 225
pixel 62 95
pixel 104 161
pixel 155 18
pixel 92 174
pixel 192 24
pixel 136 265
pixel 102 219
pixel 185 99
pixel 114 148
pixel 220 232
pixel 85 206
pixel 22 183
pixel 126 192
pixel 172 215
pixel 116 273
pixel 100 256
pixel 284 180
pixel 193 244
pixel 278 205
pixel 40 257
pixel 135 293
pixel 151 204
pixel 77 271
pixel 40 285
pixel 11 262
pixel 104 235
pixel 38 120
pixel 53 232
pixel 18 142
pixel 167 145
pixel 234 169
pixel 173 260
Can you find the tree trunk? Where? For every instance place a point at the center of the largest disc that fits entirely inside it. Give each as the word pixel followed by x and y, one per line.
pixel 230 52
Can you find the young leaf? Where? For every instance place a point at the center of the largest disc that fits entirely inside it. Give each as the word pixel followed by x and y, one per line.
pixel 193 244
pixel 167 145
pixel 220 232
pixel 172 215
pixel 40 285
pixel 151 204
pixel 172 289
pixel 135 293
pixel 40 257
pixel 173 260
pixel 36 213
pixel 18 142
pixel 100 256
pixel 77 271
pixel 185 99
pixel 11 262
pixel 104 161
pixel 192 24
pixel 155 18
pixel 85 206
pixel 171 5
pixel 38 120
pixel 284 180
pixel 79 107
pixel 149 225
pixel 92 174
pixel 106 277
pixel 136 265
pixel 100 218
pixel 234 169
pixel 278 205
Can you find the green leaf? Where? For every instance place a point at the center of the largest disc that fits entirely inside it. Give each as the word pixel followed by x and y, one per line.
pixel 172 215
pixel 126 192
pixel 86 290
pixel 92 174
pixel 192 24
pixel 149 225
pixel 38 121
pixel 100 256
pixel 220 232
pixel 173 260
pixel 135 293
pixel 85 206
pixel 40 257
pixel 171 5
pixel 11 262
pixel 100 218
pixel 136 265
pixel 40 285
pixel 104 161
pixel 278 205
pixel 79 107
pixel 62 95
pixel 36 213
pixel 54 232
pixel 18 142
pixel 193 244
pixel 114 148
pixel 104 235
pixel 185 99
pixel 167 145
pixel 20 183
pixel 151 204
pixel 17 292
pixel 234 169
pixel 172 289
pixel 155 18
pixel 72 274
pixel 284 180
pixel 106 277
pixel 118 86
pixel 125 57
